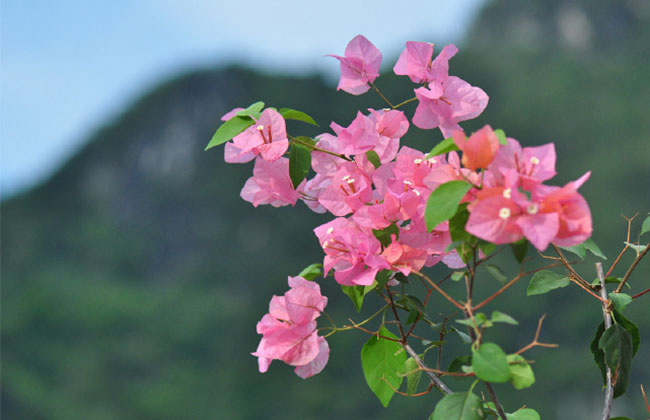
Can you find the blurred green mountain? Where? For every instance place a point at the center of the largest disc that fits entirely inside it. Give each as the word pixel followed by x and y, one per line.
pixel 133 278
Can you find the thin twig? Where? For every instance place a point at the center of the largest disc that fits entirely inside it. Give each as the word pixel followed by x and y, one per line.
pixel 640 294
pixel 627 241
pixel 434 378
pixel 645 398
pixel 405 102
pixel 609 392
pixel 502 413
pixel 439 290
pixel 419 394
pixel 399 323
pixel 382 95
pixel 569 267
pixel 632 267
pixel 318 149
pixel 536 342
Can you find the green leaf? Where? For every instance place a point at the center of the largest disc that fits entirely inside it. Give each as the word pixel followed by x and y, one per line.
pixel 501 135
pixel 599 355
pixel 384 235
pixel 383 361
pixel 460 361
pixel 620 300
pixel 254 110
pixel 637 248
pixel 292 114
pixel 631 328
pixel 544 281
pixel 496 273
pixel 373 157
pixel 312 271
pixel 413 375
pixel 382 278
pixel 414 303
pixel 445 146
pixel 616 343
pixel 443 202
pixel 357 293
pixel 505 318
pixel 591 246
pixel 458 406
pixel 457 275
pixel 579 250
pixel 524 414
pixel 479 318
pixel 620 418
pixel 457 226
pixel 490 363
pixel 306 140
pixel 299 163
pixel 229 129
pixel 520 249
pixel 645 227
pixel 609 280
pixel 463 336
pixel 521 374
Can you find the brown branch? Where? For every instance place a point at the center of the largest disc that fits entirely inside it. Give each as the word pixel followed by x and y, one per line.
pixel 399 323
pixel 375 333
pixel 502 413
pixel 318 149
pixel 645 398
pixel 636 261
pixel 640 294
pixel 432 376
pixel 586 289
pixel 382 95
pixel 536 342
pixel 510 283
pixel 629 226
pixel 439 290
pixel 569 268
pixel 609 392
pixel 429 388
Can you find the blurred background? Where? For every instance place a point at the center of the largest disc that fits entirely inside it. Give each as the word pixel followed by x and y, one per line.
pixel 133 274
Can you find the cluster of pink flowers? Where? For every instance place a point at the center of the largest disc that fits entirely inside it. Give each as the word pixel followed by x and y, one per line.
pixel 370 184
pixel 289 330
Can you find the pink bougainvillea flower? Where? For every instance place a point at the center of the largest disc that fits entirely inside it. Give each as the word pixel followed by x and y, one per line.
pixel 228 115
pixel 270 184
pixel 404 258
pixel 351 251
pixel 346 190
pixel 533 164
pixel 318 364
pixel 444 103
pixel 289 330
pixel 494 218
pixel 267 138
pixel 479 149
pixel 359 66
pixel 416 62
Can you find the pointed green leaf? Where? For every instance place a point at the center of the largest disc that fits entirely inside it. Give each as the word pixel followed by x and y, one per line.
pixel 579 250
pixel 254 110
pixel 505 318
pixel 413 375
pixel 445 146
pixel 299 163
pixel 544 281
pixel 463 336
pixel 457 364
pixel 620 300
pixel 616 343
pixel 637 248
pixel 458 406
pixel 521 374
pixel 383 361
pixel 311 271
pixel 357 293
pixel 524 414
pixel 490 363
pixel 599 355
pixel 373 157
pixel 591 246
pixel 443 202
pixel 496 273
pixel 292 114
pixel 631 328
pixel 457 275
pixel 385 235
pixel 645 227
pixel 610 280
pixel 501 135
pixel 520 249
pixel 229 129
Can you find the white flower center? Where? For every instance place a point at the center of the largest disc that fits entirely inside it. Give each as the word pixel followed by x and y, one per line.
pixel 416 192
pixel 432 160
pixel 417 161
pixel 534 160
pixel 260 127
pixel 504 213
pixel 346 177
pixel 507 193
pixel 532 209
pixel 349 180
pixel 330 230
pixel 408 183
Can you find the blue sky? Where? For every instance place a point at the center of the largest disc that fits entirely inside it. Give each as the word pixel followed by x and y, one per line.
pixel 69 66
